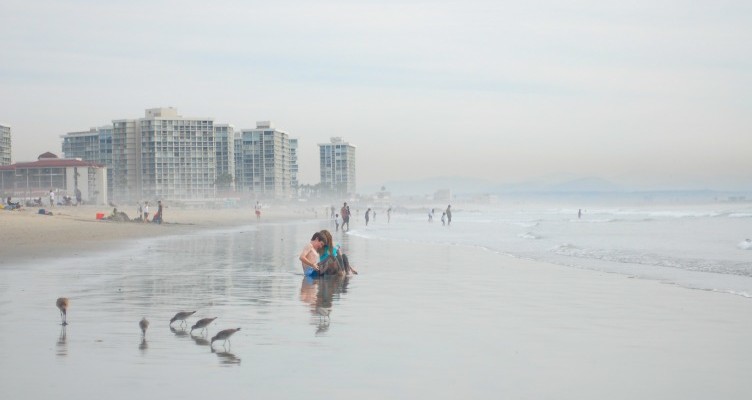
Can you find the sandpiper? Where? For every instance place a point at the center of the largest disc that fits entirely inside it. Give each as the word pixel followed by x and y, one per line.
pixel 62 305
pixel 143 324
pixel 181 316
pixel 224 335
pixel 202 323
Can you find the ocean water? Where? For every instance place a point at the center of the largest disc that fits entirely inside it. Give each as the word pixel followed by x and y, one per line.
pixel 437 312
pixel 705 246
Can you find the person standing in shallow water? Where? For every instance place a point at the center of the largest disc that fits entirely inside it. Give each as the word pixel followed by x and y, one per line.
pixel 449 214
pixel 368 212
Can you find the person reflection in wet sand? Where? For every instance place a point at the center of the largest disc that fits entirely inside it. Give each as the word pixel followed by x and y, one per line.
pixel 319 295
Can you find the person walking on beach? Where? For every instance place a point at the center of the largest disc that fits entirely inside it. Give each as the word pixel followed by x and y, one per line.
pixel 345 211
pixel 579 213
pixel 389 215
pixel 336 222
pixel 368 212
pixel 158 216
pixel 443 218
pixel 449 214
pixel 146 211
pixel 257 209
pixel 52 198
pixel 430 215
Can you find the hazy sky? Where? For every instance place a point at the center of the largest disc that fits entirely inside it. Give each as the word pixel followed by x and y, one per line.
pixel 645 92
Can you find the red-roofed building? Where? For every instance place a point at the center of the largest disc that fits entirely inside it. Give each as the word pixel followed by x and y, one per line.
pixel 63 175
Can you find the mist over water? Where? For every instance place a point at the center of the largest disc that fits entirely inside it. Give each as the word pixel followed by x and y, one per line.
pixel 696 246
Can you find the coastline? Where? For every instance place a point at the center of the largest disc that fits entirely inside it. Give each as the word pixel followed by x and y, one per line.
pixel 416 314
pixel 27 236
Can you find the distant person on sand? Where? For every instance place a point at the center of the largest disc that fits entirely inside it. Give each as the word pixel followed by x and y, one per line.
pixel 52 198
pixel 345 212
pixel 336 222
pixel 579 213
pixel 443 218
pixel 257 209
pixel 430 215
pixel 158 216
pixel 368 212
pixel 449 214
pixel 309 257
pixel 78 196
pixel 389 215
pixel 146 211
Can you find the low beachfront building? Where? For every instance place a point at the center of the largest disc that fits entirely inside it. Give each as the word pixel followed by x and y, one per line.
pixel 35 179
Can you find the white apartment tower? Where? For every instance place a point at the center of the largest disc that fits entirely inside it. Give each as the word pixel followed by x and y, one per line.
pixel 265 162
pixel 5 145
pixel 163 156
pixel 337 164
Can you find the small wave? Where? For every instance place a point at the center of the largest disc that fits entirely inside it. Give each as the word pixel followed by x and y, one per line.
pixel 745 244
pixel 531 224
pixel 528 235
pixel 740 215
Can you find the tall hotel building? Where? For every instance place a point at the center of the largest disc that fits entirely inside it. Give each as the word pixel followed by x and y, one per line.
pixel 265 162
pixel 165 156
pixel 337 163
pixel 5 147
pixel 94 145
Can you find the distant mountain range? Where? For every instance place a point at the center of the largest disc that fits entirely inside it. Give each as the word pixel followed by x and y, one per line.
pixel 546 185
pixel 462 185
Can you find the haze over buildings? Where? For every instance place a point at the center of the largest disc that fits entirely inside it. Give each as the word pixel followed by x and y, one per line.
pixel 167 156
pixel 640 93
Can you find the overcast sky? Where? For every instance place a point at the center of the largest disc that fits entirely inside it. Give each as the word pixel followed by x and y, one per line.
pixel 646 93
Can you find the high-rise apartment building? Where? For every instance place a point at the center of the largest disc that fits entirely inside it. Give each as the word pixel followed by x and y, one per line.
pixel 5 145
pixel 265 162
pixel 337 164
pixel 165 156
pixel 224 136
pixel 94 145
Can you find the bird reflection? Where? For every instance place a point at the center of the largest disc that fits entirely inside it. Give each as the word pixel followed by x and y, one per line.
pixel 227 358
pixel 200 340
pixel 322 327
pixel 143 345
pixel 62 342
pixel 178 332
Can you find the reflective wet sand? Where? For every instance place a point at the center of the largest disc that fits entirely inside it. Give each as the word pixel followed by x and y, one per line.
pixel 419 321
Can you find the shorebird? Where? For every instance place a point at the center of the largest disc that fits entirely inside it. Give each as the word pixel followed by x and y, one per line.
pixel 202 323
pixel 181 316
pixel 62 305
pixel 223 335
pixel 143 324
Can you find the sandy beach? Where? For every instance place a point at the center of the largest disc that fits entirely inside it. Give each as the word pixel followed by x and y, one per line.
pixel 27 236
pixel 420 321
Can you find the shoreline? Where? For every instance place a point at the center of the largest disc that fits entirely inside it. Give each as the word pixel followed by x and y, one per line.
pixel 27 236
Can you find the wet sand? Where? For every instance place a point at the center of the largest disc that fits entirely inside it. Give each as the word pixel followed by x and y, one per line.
pixel 419 321
pixel 27 236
